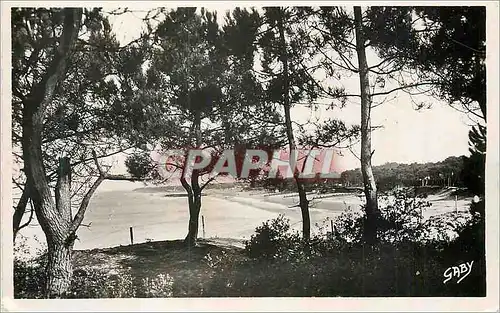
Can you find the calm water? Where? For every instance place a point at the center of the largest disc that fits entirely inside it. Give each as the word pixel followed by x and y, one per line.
pixel 117 206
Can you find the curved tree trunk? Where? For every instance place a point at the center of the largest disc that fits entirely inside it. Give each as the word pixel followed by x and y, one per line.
pixel 194 190
pixel 54 217
pixel 194 203
pixel 303 201
pixel 370 187
pixel 194 217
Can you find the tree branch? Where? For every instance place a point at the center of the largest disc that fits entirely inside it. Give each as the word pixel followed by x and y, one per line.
pixel 19 211
pixel 186 186
pixel 322 31
pixel 77 220
pixel 51 175
pixel 32 210
pixel 354 154
pixel 207 182
pixel 400 88
pixel 345 67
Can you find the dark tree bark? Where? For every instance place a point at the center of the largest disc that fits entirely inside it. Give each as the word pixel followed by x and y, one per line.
pixel 194 190
pixel 54 217
pixel 370 188
pixel 303 201
pixel 19 211
pixel 61 270
pixel 62 238
pixel 194 203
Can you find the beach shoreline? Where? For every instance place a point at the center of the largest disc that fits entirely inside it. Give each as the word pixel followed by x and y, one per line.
pixel 227 213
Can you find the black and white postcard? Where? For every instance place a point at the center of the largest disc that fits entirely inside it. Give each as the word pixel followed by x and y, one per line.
pixel 251 156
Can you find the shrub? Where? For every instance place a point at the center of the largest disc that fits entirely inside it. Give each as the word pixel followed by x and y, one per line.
pixel 160 286
pixel 228 279
pixel 273 240
pixel 446 227
pixel 402 216
pixel 478 207
pixel 400 219
pixel 29 278
pixel 140 165
pixel 348 226
pixel 29 270
pixel 92 283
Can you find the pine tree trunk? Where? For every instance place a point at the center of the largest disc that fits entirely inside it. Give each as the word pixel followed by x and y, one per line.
pixel 303 202
pixel 194 217
pixel 370 188
pixel 60 239
pixel 194 190
pixel 304 209
pixel 59 269
pixel 54 217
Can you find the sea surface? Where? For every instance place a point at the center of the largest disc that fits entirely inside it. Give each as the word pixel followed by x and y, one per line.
pixel 159 214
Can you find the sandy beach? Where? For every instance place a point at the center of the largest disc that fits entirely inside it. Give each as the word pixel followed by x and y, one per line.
pixel 156 214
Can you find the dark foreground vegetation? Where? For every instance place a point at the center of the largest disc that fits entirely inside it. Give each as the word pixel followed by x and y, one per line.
pixel 408 261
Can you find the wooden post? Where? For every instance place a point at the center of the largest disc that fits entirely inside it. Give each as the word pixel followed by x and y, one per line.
pixel 203 225
pixel 131 236
pixel 331 226
pixel 456 206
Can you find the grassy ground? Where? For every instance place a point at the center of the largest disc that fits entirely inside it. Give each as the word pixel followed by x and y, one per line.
pixel 190 269
pixel 195 272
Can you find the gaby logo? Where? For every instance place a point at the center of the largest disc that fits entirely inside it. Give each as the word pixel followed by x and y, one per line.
pixel 461 271
pixel 247 163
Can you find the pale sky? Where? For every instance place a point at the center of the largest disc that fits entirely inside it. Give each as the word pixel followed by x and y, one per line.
pixel 407 136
